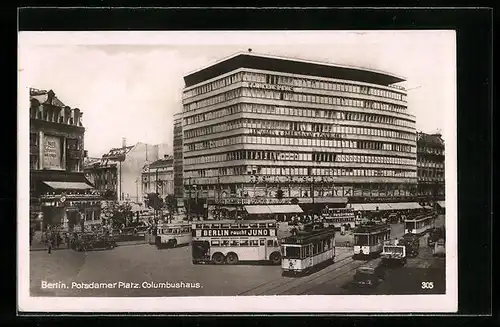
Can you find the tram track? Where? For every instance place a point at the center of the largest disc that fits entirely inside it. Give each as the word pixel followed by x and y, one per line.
pixel 268 287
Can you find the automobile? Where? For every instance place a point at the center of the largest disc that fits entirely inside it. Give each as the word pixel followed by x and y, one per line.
pixel 368 277
pixel 91 241
pixel 439 248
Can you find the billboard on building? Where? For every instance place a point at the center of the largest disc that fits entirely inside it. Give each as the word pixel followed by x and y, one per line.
pixel 52 152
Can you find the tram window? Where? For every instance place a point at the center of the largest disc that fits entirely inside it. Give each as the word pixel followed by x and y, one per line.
pixel 254 243
pixel 244 243
pixel 262 242
pixel 361 239
pixel 206 226
pixel 234 226
pixel 253 225
pixel 169 231
pixel 272 225
pixel 244 225
pixel 307 250
pixel 224 225
pixel 270 243
pixel 235 243
pixel 216 226
pixel 292 252
pixel 215 242
pixel 225 243
pixel 261 225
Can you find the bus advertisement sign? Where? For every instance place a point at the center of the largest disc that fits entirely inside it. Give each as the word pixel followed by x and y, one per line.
pixel 234 232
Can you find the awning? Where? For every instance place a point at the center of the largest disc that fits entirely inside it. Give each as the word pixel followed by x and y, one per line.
pixel 270 209
pixel 442 204
pixel 405 206
pixel 369 206
pixel 286 208
pixel 258 210
pixel 68 185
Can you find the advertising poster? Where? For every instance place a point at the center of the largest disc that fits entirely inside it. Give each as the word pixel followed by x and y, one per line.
pixel 52 152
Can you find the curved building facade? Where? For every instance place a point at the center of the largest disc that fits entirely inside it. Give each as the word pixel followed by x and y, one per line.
pixel 320 133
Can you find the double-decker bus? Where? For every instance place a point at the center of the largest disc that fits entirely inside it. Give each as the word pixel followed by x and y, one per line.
pixel 233 241
pixel 172 235
pixel 369 239
pixel 339 217
pixel 420 224
pixel 307 250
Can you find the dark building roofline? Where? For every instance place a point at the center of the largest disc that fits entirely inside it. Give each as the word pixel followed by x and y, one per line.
pixel 289 65
pixel 168 161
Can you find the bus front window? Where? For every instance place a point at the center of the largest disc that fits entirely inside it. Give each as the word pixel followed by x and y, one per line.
pixel 360 239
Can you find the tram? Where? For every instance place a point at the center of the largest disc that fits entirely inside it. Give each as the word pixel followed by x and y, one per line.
pixel 172 235
pixel 307 250
pixel 369 239
pixel 420 225
pixel 339 217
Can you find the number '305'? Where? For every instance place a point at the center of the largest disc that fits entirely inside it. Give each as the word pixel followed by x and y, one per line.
pixel 427 285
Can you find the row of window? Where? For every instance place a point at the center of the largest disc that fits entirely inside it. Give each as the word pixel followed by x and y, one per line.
pixel 299 171
pixel 266 126
pixel 430 173
pixel 293 82
pixel 297 156
pixel 298 112
pixel 431 150
pixel 243 242
pixel 170 231
pixel 307 250
pixel 288 96
pixel 246 139
pixel 429 164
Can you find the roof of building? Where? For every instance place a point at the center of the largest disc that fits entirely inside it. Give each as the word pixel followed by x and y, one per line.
pixel 430 139
pixel 45 97
pixel 290 65
pixel 117 152
pixel 167 161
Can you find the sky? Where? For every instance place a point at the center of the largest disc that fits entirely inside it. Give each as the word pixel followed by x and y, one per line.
pixel 129 84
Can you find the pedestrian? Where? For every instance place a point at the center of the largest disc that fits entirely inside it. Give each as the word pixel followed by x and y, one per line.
pixel 48 238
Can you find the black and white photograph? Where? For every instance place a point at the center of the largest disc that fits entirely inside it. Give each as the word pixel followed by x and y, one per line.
pixel 244 171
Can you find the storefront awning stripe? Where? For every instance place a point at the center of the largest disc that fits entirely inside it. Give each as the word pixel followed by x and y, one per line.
pixel 258 210
pixel 68 185
pixel 286 208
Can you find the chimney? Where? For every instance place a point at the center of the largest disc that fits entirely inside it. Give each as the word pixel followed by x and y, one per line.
pixel 124 142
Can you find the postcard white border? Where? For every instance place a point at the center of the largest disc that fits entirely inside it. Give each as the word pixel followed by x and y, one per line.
pixel 264 304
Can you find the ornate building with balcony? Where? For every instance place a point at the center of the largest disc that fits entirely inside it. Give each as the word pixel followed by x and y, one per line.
pixel 158 177
pixel 321 133
pixel 431 167
pixel 60 195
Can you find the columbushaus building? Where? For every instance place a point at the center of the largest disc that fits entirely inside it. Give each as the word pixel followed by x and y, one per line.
pixel 321 133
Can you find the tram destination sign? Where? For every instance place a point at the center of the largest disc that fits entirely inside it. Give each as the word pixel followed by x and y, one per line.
pixel 235 232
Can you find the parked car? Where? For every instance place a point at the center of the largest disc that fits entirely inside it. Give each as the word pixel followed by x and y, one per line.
pixel 439 248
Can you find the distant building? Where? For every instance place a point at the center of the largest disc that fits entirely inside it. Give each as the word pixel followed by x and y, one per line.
pixel 103 174
pixel 119 171
pixel 158 177
pixel 430 166
pixel 178 157
pixel 60 195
